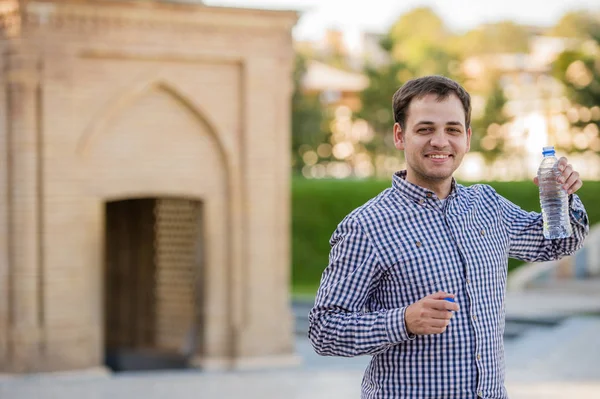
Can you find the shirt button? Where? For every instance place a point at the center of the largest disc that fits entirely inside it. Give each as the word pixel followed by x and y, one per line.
pixel 478 356
pixel 468 281
pixel 418 243
pixel 482 232
pixel 480 394
pixel 421 201
pixel 429 195
pixel 474 317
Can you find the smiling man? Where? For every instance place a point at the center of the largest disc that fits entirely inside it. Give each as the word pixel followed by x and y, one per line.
pixel 416 276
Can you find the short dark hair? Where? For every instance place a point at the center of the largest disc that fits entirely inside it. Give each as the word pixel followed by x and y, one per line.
pixel 442 86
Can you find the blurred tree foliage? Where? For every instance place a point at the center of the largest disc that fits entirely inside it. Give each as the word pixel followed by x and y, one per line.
pixel 499 37
pixel 420 40
pixel 419 43
pixel 579 70
pixel 308 116
pixel 376 102
pixel 575 24
pixel 487 136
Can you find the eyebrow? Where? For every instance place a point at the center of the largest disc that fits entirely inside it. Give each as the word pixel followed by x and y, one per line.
pixel 451 123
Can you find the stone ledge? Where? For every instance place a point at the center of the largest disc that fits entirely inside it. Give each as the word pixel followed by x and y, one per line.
pixel 84 374
pixel 264 362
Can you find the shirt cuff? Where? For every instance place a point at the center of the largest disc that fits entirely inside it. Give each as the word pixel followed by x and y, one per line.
pixel 396 326
pixel 577 210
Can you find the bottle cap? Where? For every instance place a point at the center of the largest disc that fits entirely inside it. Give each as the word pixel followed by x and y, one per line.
pixel 449 299
pixel 548 150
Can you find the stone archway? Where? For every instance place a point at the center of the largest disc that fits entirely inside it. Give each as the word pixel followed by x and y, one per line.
pixel 153 291
pixel 155 153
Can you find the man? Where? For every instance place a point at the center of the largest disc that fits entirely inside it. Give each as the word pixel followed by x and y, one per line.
pixel 398 262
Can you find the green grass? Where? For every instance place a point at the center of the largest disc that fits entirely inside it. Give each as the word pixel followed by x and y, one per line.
pixel 319 205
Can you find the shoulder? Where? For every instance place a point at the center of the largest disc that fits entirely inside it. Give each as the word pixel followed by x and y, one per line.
pixel 478 188
pixel 477 191
pixel 378 209
pixel 374 212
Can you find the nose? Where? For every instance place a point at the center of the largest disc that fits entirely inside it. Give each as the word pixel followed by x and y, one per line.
pixel 439 139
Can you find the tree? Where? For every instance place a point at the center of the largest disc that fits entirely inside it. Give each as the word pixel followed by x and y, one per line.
pixel 376 102
pixel 416 45
pixel 487 130
pixel 575 24
pixel 579 70
pixel 308 116
pixel 499 37
pixel 485 42
pixel 376 99
pixel 419 39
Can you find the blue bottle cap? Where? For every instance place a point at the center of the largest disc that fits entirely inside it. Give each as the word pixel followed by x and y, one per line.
pixel 449 299
pixel 548 150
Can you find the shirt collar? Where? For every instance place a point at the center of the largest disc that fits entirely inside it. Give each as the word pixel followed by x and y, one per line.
pixel 414 192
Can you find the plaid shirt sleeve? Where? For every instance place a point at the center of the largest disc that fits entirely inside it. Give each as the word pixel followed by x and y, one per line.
pixel 527 240
pixel 338 324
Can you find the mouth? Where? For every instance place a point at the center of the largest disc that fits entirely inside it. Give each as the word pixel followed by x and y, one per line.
pixel 440 157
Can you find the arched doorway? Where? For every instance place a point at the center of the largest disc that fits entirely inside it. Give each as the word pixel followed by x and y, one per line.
pixel 152 283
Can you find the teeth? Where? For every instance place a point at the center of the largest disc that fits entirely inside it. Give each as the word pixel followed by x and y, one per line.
pixel 438 156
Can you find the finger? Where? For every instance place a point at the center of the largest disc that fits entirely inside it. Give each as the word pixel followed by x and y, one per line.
pixel 443 305
pixel 436 314
pixel 441 315
pixel 440 295
pixel 571 181
pixel 578 184
pixel 433 330
pixel 562 163
pixel 437 330
pixel 437 323
pixel 536 181
pixel 564 176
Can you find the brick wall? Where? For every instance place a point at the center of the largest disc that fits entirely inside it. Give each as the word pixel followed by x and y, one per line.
pixel 112 101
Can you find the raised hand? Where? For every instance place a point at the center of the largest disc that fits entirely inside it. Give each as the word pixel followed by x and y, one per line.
pixel 568 177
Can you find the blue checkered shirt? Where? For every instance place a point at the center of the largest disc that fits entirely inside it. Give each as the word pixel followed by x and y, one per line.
pixel 406 244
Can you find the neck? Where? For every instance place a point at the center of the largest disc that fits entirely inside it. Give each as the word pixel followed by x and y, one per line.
pixel 441 187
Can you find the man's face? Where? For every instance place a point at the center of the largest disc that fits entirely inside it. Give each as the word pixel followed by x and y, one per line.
pixel 435 138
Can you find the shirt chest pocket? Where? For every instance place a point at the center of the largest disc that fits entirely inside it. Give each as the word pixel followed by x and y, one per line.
pixel 489 246
pixel 425 267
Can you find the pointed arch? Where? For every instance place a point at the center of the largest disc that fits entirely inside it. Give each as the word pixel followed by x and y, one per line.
pixel 110 114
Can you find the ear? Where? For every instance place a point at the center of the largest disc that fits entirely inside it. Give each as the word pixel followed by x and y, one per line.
pixel 398 137
pixel 469 132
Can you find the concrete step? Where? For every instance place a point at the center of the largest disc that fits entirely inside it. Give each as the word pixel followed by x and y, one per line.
pixel 589 286
pixel 564 353
pixel 550 303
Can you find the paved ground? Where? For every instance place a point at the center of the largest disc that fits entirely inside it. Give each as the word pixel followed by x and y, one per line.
pixel 528 377
pixel 283 384
pixel 553 355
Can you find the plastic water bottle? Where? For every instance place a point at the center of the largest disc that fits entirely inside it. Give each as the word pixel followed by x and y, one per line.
pixel 554 199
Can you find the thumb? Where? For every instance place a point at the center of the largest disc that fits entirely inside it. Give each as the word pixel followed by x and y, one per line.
pixel 536 181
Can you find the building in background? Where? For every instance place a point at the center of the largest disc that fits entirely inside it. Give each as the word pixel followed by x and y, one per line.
pixel 334 86
pixel 144 206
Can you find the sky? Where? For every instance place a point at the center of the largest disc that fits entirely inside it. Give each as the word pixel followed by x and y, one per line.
pixel 356 16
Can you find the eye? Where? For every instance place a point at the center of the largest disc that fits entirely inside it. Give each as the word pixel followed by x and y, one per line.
pixel 424 130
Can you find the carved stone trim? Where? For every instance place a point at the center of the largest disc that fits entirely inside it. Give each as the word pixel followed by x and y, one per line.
pixel 10 19
pixel 102 16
